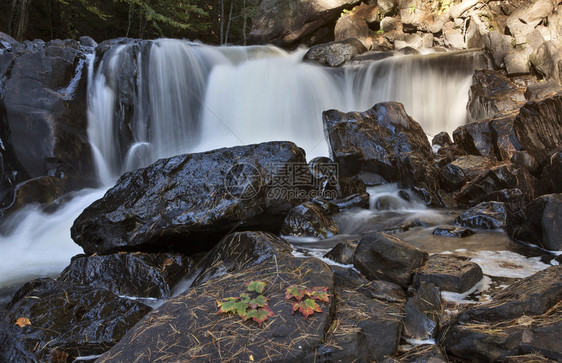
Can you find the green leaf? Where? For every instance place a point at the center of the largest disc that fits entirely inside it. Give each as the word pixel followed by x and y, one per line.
pixel 245 298
pixel 259 301
pixel 256 286
pixel 259 315
pixel 306 307
pixel 294 291
pixel 228 305
pixel 319 293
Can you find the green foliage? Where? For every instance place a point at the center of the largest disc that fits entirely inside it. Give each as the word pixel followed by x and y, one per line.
pixel 247 307
pixel 309 305
pixel 412 8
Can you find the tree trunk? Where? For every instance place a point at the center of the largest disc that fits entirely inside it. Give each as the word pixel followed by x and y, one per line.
pixel 229 21
pixel 244 26
pixel 19 16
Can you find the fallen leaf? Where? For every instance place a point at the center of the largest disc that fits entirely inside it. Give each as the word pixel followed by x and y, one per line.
pixel 21 322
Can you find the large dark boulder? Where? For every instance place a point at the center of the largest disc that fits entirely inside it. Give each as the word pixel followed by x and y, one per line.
pixel 380 256
pixel 288 23
pixel 523 318
pixel 44 98
pixel 335 54
pixel 475 139
pixel 382 140
pixel 239 251
pixel 551 178
pixel 541 226
pixel 538 126
pixel 130 274
pixel 187 203
pixel 189 328
pixel 493 94
pixel 65 321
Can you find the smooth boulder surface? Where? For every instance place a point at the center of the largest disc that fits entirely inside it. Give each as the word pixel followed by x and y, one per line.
pixel 65 321
pixel 343 252
pixel 130 274
pixel 175 332
pixel 187 203
pixel 335 54
pixel 380 256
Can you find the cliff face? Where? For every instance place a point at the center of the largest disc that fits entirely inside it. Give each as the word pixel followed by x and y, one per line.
pixel 519 35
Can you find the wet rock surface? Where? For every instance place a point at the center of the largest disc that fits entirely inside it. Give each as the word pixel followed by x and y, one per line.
pixel 309 220
pixel 541 225
pixel 130 274
pixel 282 336
pixel 451 231
pixel 239 251
pixel 524 318
pixel 423 312
pixel 65 321
pixel 203 196
pixel 449 273
pixel 343 252
pixel 380 256
pixel 486 215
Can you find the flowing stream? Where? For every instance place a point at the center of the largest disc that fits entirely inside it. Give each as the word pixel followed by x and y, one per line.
pixel 153 99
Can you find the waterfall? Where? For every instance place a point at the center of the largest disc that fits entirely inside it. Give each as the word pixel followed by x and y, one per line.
pixel 154 99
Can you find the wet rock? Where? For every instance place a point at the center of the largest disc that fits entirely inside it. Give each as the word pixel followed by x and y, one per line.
pixel 486 215
pixel 66 320
pixel 543 217
pixel 429 353
pixel 335 54
pixel 497 178
pixel 449 273
pixel 442 139
pixel 325 176
pixel 385 257
pixel 282 336
pixel 492 94
pixel 539 90
pixel 187 203
pixel 350 185
pixel 551 178
pixel 473 166
pixel 285 23
pixel 343 252
pixel 504 136
pixel 309 220
pixel 450 231
pixel 239 251
pixel 328 206
pixel 130 274
pixel 539 127
pixel 44 97
pixel 475 138
pixel 366 337
pixel 365 141
pixel 526 358
pixel 353 201
pixel 423 312
pixel 42 190
pixel 523 318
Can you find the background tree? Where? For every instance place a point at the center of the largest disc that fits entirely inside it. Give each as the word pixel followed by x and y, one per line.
pixel 214 22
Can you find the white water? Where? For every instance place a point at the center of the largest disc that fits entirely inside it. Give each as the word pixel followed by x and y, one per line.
pixel 189 97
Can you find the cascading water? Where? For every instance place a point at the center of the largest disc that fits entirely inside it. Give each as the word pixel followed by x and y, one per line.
pixel 154 99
